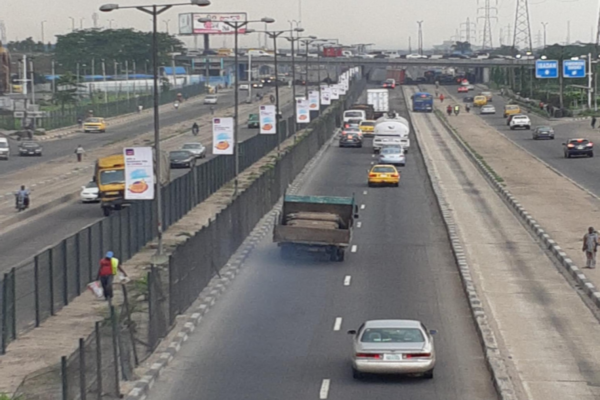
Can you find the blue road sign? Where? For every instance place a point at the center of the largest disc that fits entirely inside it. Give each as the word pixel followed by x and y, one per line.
pixel 574 69
pixel 546 69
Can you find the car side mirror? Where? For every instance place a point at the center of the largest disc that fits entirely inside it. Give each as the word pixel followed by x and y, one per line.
pixel 433 332
pixel 352 332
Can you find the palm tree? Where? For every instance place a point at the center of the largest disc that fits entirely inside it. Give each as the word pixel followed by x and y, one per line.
pixel 66 92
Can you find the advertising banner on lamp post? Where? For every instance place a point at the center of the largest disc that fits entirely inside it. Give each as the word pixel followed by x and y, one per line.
pixel 223 140
pixel 302 112
pixel 335 92
pixel 139 173
pixel 268 124
pixel 313 100
pixel 325 95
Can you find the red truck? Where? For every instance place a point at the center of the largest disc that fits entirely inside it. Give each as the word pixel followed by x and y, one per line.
pixel 332 52
pixel 397 74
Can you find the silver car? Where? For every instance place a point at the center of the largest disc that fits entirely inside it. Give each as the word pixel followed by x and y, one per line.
pixel 392 155
pixel 487 109
pixel 393 346
pixel 210 99
pixel 543 132
pixel 196 149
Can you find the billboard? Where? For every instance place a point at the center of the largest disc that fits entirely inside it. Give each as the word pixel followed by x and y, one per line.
pixel 189 24
pixel 313 100
pixel 139 173
pixel 302 112
pixel 223 140
pixel 268 125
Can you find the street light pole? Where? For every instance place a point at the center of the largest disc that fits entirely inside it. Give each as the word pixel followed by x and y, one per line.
pixel 72 24
pixel 43 22
pixel 544 24
pixel 155 10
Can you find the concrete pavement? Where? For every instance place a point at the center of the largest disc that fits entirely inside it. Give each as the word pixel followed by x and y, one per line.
pixel 543 324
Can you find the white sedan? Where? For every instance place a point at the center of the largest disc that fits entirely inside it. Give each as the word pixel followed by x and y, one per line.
pixel 416 56
pixel 487 109
pixel 244 86
pixel 89 193
pixel 210 99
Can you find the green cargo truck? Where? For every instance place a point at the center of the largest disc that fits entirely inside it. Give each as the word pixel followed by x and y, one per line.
pixel 320 224
pixel 253 121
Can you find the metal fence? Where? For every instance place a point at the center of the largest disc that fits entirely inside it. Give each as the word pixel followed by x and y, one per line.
pixel 59 119
pixel 41 286
pixel 148 308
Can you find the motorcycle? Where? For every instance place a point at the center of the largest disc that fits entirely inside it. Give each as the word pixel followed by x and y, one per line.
pixel 21 203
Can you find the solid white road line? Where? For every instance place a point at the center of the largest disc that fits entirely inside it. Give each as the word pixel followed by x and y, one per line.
pixel 358 224
pixel 338 324
pixel 354 248
pixel 362 206
pixel 347 280
pixel 324 392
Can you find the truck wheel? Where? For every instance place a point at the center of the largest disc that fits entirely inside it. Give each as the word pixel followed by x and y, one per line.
pixel 106 211
pixel 341 254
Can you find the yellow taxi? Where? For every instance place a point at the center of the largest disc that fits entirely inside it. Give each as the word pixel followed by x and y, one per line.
pixel 511 109
pixel 384 174
pixel 367 127
pixel 94 124
pixel 480 101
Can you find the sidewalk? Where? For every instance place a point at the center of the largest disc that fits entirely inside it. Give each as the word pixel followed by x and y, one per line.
pixel 544 327
pixel 58 336
pixel 115 122
pixel 60 180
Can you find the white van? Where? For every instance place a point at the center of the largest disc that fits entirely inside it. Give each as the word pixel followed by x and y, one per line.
pixel 4 148
pixel 396 118
pixel 354 114
pixel 259 53
pixel 391 132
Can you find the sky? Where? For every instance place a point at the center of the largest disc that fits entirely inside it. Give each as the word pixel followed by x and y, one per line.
pixel 387 23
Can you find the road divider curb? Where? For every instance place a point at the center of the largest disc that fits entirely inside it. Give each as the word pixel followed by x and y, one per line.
pixel 494 359
pixel 218 285
pixel 534 227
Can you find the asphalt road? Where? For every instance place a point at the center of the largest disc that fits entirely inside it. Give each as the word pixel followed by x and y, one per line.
pixel 583 170
pixel 272 335
pixel 31 236
pixel 65 147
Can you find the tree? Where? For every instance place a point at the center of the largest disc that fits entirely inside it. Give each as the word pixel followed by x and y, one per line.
pixel 66 90
pixel 25 46
pixel 112 45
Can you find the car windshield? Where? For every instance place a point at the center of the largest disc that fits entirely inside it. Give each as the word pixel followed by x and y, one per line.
pixel 579 142
pixel 93 120
pixel 367 123
pixel 350 114
pixel 112 176
pixel 3 145
pixel 392 335
pixel 384 170
pixel 192 146
pixel 544 129
pixel 179 154
pixel 91 185
pixel 391 150
pixel 211 97
pixel 30 144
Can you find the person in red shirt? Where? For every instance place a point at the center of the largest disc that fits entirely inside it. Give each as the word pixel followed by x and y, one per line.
pixel 105 275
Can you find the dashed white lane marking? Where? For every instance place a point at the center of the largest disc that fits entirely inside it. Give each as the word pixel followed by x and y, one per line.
pixel 358 224
pixel 337 324
pixel 347 280
pixel 362 206
pixel 373 155
pixel 354 248
pixel 365 192
pixel 372 162
pixel 324 392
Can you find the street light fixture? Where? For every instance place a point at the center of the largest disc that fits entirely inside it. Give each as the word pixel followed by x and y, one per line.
pixel 155 10
pixel 307 41
pixel 236 25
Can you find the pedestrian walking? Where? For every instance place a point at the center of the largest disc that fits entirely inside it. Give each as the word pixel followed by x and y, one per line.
pixel 442 98
pixel 195 129
pixel 109 268
pixel 80 152
pixel 593 122
pixel 590 246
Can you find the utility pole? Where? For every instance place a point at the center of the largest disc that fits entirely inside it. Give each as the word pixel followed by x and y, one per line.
pixel 487 13
pixel 538 39
pixel 469 28
pixel 409 45
pixel 544 24
pixel 598 33
pixel 522 32
pixel 95 19
pixel 43 22
pixel 420 37
pixel 568 32
pixel 501 38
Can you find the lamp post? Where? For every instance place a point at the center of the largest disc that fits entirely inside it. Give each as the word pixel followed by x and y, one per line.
pixel 155 10
pixel 292 40
pixel 544 24
pixel 43 22
pixel 237 25
pixel 307 42
pixel 72 24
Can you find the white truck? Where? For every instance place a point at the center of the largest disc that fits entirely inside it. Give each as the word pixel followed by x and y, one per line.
pixel 380 100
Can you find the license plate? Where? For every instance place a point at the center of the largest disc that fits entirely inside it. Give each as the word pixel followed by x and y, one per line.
pixel 580 147
pixel 392 357
pixel 384 176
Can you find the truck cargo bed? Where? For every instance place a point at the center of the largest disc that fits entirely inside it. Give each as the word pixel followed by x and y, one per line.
pixel 311 236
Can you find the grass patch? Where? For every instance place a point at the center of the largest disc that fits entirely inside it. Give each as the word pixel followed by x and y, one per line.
pixel 478 156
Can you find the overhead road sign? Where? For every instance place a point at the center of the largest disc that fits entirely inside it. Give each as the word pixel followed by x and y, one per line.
pixel 574 69
pixel 546 69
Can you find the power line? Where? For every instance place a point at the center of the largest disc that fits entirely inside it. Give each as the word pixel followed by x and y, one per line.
pixel 420 37
pixel 522 32
pixel 487 13
pixel 469 30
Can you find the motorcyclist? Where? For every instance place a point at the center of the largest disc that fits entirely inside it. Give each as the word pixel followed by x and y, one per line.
pixel 22 194
pixel 456 109
pixel 442 97
pixel 176 105
pixel 272 98
pixel 449 110
pixel 467 108
pixel 195 129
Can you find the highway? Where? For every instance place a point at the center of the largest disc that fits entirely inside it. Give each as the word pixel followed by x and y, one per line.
pixel 32 235
pixel 272 334
pixel 582 170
